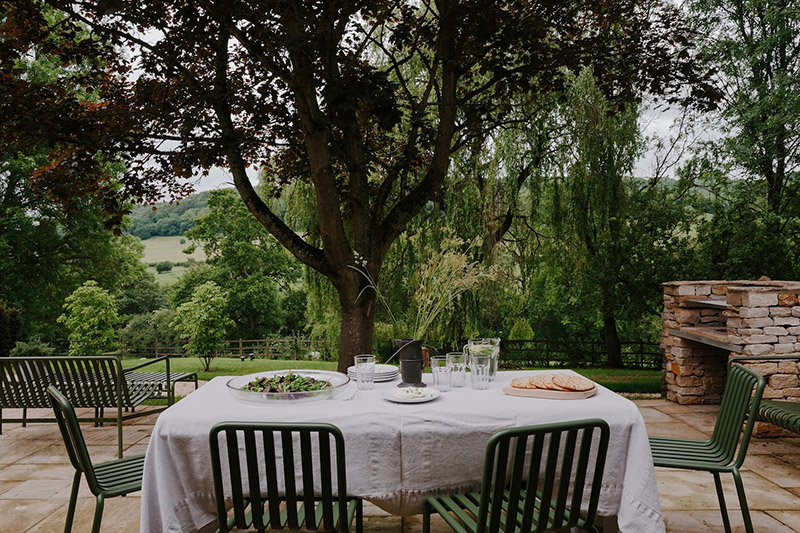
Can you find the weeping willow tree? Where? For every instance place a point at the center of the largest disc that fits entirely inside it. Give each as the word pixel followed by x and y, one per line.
pixel 604 240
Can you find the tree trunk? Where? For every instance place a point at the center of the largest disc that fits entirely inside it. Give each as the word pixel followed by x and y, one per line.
pixel 613 345
pixel 358 327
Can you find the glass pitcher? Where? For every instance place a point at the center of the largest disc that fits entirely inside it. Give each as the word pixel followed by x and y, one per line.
pixel 490 347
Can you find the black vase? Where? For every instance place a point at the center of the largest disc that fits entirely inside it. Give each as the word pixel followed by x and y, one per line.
pixel 411 362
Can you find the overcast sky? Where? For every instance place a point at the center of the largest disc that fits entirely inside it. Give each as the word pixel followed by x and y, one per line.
pixel 654 121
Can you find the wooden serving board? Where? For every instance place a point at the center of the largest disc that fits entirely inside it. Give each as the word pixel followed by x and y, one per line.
pixel 550 394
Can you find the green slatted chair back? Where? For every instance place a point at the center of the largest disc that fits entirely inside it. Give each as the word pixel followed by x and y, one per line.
pixel 538 474
pixel 85 381
pixel 73 437
pixel 743 391
pixel 302 449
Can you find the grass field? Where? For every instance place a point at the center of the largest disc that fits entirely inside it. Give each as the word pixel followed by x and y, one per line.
pixel 157 249
pixel 168 278
pixel 618 380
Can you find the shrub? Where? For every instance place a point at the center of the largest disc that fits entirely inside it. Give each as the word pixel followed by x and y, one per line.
pixel 10 324
pixel 32 348
pixel 163 266
pixel 521 330
pixel 89 317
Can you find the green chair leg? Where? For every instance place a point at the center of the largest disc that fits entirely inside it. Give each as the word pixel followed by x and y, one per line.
pixel 737 478
pixel 426 519
pixel 73 501
pixel 24 417
pixel 360 516
pixel 98 514
pixel 722 507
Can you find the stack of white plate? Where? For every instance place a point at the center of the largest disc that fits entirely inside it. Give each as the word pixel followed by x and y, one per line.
pixel 382 372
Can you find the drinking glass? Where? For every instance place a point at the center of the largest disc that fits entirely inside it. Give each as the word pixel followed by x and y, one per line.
pixel 490 347
pixel 365 371
pixel 441 373
pixel 479 367
pixel 457 363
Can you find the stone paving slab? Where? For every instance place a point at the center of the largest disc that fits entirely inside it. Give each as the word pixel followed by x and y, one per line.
pixel 35 478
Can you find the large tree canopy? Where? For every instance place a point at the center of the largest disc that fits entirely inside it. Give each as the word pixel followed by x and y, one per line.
pixel 365 100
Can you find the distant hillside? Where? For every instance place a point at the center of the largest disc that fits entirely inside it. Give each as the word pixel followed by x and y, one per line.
pixel 168 220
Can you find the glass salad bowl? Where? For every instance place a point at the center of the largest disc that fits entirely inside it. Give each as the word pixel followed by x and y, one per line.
pixel 337 381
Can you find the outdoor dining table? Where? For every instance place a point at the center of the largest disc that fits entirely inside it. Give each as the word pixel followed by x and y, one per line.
pixel 397 454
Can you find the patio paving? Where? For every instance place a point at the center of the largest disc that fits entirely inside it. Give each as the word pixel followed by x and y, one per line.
pixel 35 478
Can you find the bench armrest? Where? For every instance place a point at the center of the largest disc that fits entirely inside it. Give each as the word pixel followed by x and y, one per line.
pixel 150 362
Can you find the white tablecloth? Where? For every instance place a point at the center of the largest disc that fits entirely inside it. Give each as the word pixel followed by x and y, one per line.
pixel 397 454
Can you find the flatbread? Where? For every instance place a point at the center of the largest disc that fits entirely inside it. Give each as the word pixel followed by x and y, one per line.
pixel 522 383
pixel 572 382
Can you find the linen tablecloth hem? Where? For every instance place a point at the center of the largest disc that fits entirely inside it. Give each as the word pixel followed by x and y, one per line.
pixel 648 519
pixel 190 513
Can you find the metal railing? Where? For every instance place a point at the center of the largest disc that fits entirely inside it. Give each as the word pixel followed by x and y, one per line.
pixel 572 353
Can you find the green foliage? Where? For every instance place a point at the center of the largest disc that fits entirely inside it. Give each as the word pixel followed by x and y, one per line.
pixel 89 318
pixel 45 251
pixel 10 324
pixel 293 305
pixel 750 167
pixel 168 219
pixel 32 348
pixel 163 266
pixel 139 295
pixel 521 330
pixel 146 327
pixel 244 260
pixel 204 321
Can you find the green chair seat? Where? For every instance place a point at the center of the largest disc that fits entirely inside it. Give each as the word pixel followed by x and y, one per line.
pixel 284 522
pixel 120 476
pixel 106 480
pixel 705 453
pixel 534 479
pixel 458 512
pixel 780 413
pixel 726 449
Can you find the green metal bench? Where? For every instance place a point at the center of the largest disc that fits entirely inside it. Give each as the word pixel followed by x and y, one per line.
pixel 165 381
pixel 87 382
pixel 782 413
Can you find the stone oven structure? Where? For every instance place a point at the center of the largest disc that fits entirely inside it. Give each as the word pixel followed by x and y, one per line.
pixel 707 322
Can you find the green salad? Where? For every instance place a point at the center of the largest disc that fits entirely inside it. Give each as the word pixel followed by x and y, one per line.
pixel 286 383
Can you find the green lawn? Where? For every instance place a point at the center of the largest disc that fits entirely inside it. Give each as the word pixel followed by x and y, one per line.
pixel 618 380
pixel 625 380
pixel 229 366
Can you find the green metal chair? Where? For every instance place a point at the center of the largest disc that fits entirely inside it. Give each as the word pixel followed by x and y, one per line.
pixel 106 480
pixel 542 496
pixel 726 449
pixel 286 505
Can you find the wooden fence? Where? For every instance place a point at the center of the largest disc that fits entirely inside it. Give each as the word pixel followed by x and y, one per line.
pixel 266 348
